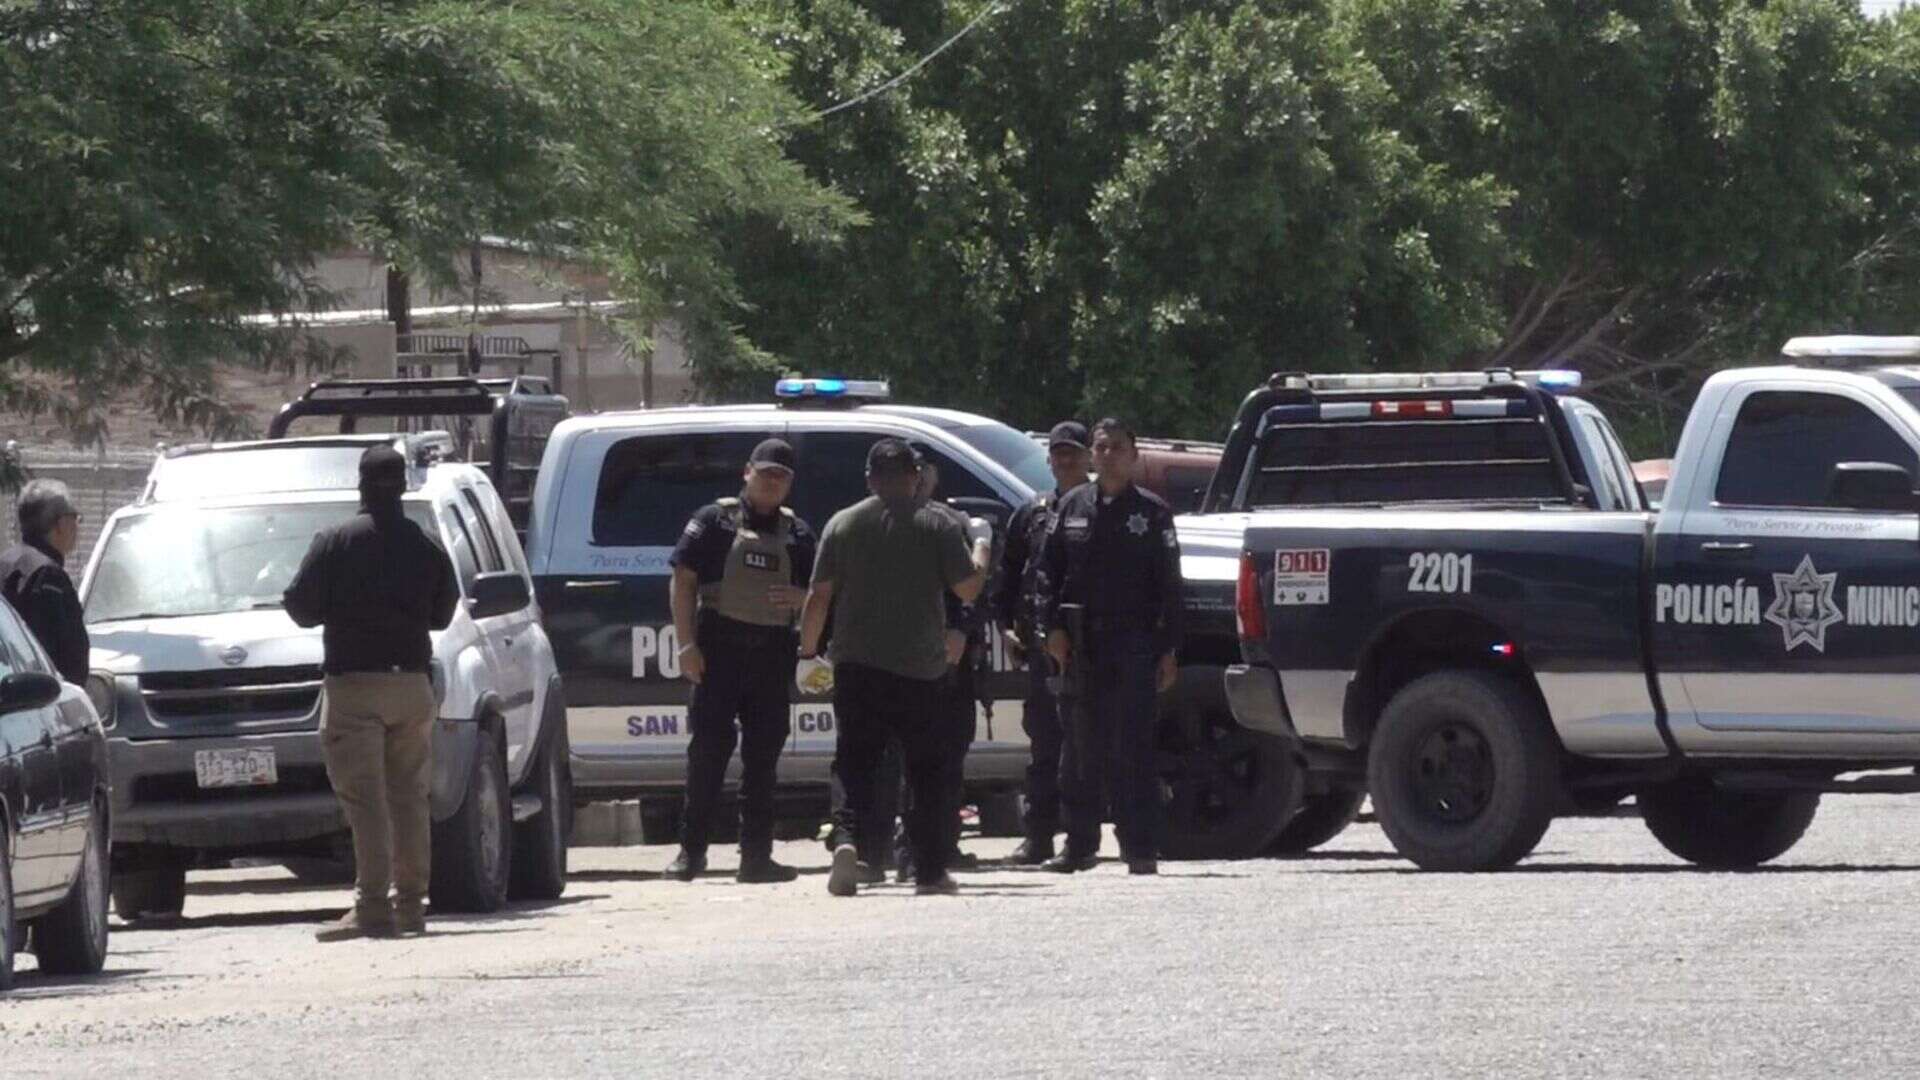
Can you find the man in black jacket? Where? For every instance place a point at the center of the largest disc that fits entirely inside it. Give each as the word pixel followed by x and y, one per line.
pixel 379 585
pixel 34 579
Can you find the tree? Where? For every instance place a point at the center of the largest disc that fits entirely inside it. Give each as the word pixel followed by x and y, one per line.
pixel 1144 207
pixel 174 167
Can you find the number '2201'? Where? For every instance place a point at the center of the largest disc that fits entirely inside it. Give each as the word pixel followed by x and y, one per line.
pixel 1437 573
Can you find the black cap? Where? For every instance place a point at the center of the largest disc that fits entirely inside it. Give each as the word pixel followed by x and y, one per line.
pixel 1068 433
pixel 892 457
pixel 382 468
pixel 772 453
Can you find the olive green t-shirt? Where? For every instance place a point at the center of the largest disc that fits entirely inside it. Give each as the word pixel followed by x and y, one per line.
pixel 891 566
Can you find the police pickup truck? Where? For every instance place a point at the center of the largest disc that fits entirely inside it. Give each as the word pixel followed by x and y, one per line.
pixel 1331 441
pixel 1489 665
pixel 614 492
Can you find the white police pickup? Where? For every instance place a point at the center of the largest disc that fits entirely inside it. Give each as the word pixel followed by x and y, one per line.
pixel 1490 664
pixel 613 494
pixel 212 696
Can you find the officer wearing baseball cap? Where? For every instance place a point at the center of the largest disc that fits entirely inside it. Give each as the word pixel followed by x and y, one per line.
pixel 379 585
pixel 1069 455
pixel 1113 555
pixel 740 571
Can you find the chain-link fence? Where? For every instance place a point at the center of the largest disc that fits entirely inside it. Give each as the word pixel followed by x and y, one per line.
pixel 101 482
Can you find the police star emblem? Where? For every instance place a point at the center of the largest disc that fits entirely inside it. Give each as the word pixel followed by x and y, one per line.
pixel 1803 606
pixel 1137 524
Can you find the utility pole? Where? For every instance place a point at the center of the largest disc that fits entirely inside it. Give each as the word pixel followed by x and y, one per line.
pixel 400 309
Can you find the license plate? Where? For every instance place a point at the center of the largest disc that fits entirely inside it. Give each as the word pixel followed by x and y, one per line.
pixel 235 768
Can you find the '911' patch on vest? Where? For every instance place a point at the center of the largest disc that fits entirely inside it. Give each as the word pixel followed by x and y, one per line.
pixel 756 562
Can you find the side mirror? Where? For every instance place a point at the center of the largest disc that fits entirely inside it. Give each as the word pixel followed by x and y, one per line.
pixel 992 509
pixel 498 594
pixel 28 690
pixel 1871 485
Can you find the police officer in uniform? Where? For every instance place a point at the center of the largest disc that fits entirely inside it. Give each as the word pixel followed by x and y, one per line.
pixel 740 572
pixel 1069 456
pixel 1112 551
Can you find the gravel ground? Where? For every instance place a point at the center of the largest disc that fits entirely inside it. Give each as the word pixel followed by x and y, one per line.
pixel 1601 956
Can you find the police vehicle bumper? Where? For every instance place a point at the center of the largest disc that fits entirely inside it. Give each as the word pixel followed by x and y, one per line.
pixel 1254 695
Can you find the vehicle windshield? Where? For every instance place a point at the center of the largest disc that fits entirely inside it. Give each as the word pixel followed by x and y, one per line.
pixel 1019 454
pixel 180 561
pixel 261 471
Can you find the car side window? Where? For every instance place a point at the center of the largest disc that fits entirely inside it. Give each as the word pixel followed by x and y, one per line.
pixel 651 484
pixel 1605 473
pixel 491 559
pixel 17 652
pixel 1785 444
pixel 833 471
pixel 461 542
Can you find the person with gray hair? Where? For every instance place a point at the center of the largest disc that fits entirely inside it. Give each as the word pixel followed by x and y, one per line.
pixel 34 579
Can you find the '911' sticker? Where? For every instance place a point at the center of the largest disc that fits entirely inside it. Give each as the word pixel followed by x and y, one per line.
pixel 1300 577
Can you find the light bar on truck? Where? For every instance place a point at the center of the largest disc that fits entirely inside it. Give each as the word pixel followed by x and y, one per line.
pixel 830 389
pixel 1552 379
pixel 1844 347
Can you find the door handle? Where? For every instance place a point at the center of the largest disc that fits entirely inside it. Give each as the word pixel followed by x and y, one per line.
pixel 1721 549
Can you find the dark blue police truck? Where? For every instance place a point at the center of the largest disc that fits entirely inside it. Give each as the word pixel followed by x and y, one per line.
pixel 1484 663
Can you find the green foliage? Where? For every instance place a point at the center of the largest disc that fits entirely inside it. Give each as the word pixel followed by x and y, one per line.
pixel 1088 206
pixel 172 167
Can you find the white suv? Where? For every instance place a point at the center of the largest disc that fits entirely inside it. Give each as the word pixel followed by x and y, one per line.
pixel 212 696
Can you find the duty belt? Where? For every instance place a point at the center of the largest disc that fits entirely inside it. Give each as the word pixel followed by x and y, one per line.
pixel 716 629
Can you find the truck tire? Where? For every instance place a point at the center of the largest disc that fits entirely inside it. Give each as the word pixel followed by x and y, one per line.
pixel 72 938
pixel 540 842
pixel 1232 789
pixel 473 849
pixel 1463 771
pixel 158 892
pixel 1321 818
pixel 7 931
pixel 1726 830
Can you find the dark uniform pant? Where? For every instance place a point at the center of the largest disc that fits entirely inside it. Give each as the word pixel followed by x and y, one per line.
pixel 871 707
pixel 747 677
pixel 1046 734
pixel 1110 745
pixel 958 702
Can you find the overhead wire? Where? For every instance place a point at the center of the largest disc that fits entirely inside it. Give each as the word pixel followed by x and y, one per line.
pixel 990 10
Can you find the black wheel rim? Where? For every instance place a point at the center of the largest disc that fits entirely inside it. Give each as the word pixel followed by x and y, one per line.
pixel 1209 766
pixel 1451 773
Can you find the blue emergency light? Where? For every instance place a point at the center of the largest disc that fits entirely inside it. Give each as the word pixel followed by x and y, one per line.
pixel 1559 380
pixel 855 389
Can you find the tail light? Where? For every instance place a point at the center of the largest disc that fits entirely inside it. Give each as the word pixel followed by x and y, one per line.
pixel 1413 410
pixel 1248 609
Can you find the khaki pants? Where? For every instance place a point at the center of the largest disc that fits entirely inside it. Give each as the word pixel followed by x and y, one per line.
pixel 377 734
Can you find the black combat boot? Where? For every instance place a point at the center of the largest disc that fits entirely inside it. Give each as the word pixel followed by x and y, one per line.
pixel 687 865
pixel 1033 851
pixel 758 868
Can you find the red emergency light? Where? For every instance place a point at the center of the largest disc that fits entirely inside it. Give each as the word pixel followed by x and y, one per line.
pixel 1412 410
